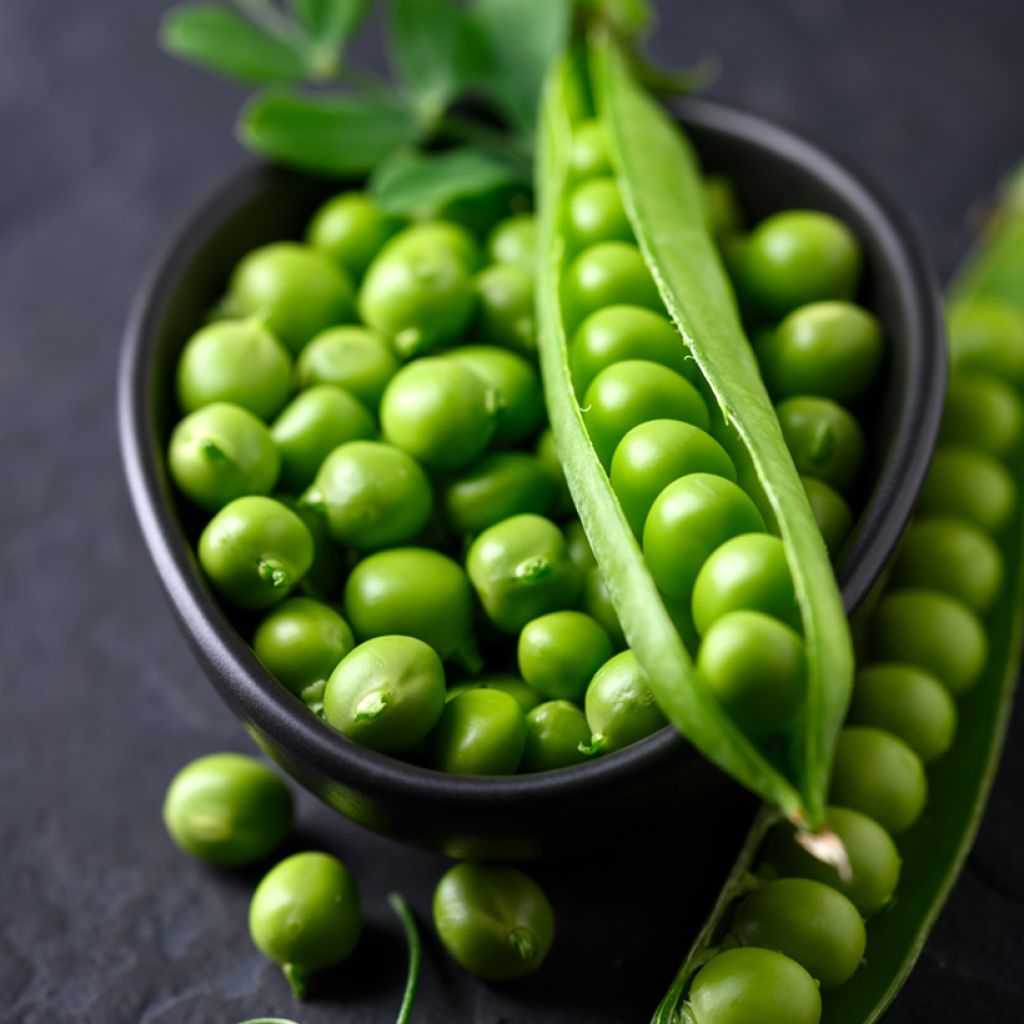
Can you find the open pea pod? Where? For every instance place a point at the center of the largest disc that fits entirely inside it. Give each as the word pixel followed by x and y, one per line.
pixel 661 190
pixel 933 851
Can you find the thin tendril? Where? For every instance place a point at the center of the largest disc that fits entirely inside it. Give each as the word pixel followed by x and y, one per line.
pixel 401 908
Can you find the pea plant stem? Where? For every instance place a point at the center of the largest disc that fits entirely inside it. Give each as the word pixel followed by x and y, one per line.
pixel 404 913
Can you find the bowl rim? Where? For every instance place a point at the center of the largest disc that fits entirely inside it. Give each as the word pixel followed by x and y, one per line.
pixel 259 699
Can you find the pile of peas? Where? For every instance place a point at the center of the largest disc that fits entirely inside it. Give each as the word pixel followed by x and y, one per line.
pixel 800 932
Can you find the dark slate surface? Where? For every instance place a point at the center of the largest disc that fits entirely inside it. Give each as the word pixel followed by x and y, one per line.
pixel 106 144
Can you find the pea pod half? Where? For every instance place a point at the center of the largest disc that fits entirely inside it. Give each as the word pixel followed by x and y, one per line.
pixel 663 197
pixel 987 336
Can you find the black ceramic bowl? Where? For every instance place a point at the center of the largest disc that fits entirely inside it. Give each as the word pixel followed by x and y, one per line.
pixel 614 796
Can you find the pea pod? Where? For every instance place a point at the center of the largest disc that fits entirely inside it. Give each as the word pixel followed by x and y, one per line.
pixel 663 196
pixel 987 317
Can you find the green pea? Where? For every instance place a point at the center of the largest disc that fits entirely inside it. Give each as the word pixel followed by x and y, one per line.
pixel 597 603
pixel 237 361
pixel 521 569
pixel 372 495
pixel 500 485
pixel 687 522
pixel 556 736
pixel 965 483
pixel 825 440
pixel 561 504
pixel 619 705
pixel 909 703
pixel 515 385
pixel 748 573
pixel 440 411
pixel 578 546
pixel 495 922
pixel 505 314
pixel 481 732
pixel 300 642
pixel 988 336
pixel 559 653
pixel 419 296
pixel 311 426
pixel 323 576
pixel 632 392
pixel 411 592
pixel 306 916
pixel 353 358
pixel 228 810
pixel 653 454
pixel 386 694
pixel 754 986
pixel 877 774
pixel 522 694
pixel 254 550
pixel 983 412
pixel 830 349
pixel 757 669
pixel 596 213
pixel 294 289
pixel 514 242
pixel 813 923
pixel 874 860
pixel 831 513
pixel 952 556
pixel 615 333
pixel 589 154
pixel 609 274
pixel 222 452
pixel 800 256
pixel 351 228
pixel 932 631
pixel 721 206
pixel 440 234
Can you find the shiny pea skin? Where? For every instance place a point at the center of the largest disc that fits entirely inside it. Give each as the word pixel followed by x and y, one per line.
pixel 559 653
pixel 877 774
pixel 351 228
pixel 747 573
pixel 237 361
pixel 556 736
pixel 831 512
pixel 496 922
pixel 514 242
pixel 386 694
pixel 952 556
pixel 505 314
pixel 609 274
pixel 813 923
pixel 988 336
pixel 754 986
pixel 311 426
pixel 932 631
pixel 480 732
pixel 909 703
pixel 589 154
pixel 296 290
pixel 372 495
pixel 526 697
pixel 597 603
pixel 619 705
pixel 412 592
pixel 500 485
pixel 757 669
pixel 520 569
pixel 254 551
pixel 222 452
pixel 228 810
pixel 983 412
pixel 354 358
pixel 825 440
pixel 440 234
pixel 596 213
pixel 301 641
pixel 653 454
pixel 322 579
pixel 687 522
pixel 830 349
pixel 306 915
pixel 874 859
pixel 632 392
pixel 969 484
pixel 440 411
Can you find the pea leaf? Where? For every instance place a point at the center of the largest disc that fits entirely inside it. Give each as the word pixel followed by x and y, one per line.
pixel 223 41
pixel 435 48
pixel 521 39
pixel 331 23
pixel 420 184
pixel 331 135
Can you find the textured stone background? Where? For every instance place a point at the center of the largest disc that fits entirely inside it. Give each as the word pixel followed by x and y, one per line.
pixel 106 144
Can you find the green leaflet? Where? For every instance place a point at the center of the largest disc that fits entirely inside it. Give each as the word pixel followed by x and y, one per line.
pixel 331 23
pixel 934 851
